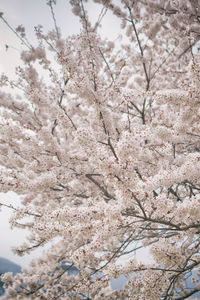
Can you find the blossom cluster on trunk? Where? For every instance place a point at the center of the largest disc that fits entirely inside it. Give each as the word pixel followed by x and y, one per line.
pixel 105 153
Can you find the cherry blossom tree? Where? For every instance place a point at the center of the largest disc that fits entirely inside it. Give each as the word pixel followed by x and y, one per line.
pixel 105 153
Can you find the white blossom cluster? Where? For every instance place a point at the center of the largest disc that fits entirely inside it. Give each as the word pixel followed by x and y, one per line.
pixel 105 153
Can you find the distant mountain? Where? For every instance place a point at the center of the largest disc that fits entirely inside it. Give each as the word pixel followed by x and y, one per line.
pixel 7 266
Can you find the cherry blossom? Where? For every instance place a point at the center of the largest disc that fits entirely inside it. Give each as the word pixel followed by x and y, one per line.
pixel 104 151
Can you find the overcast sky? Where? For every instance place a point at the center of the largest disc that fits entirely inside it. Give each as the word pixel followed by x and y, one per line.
pixel 31 13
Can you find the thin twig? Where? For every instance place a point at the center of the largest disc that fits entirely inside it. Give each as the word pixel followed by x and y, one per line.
pixel 101 15
pixel 15 32
pixel 54 19
pixel 111 74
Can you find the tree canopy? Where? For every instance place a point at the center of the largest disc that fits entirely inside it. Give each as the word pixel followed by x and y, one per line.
pixel 104 150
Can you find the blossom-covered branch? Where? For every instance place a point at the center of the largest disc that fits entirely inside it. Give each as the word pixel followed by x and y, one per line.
pixel 104 151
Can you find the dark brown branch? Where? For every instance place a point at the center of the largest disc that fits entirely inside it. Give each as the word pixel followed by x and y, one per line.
pixel 168 223
pixel 63 92
pixel 25 212
pixel 135 106
pixel 54 126
pixel 188 294
pixel 31 247
pixel 89 176
pixel 68 117
pixel 104 125
pixel 112 149
pixel 140 205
